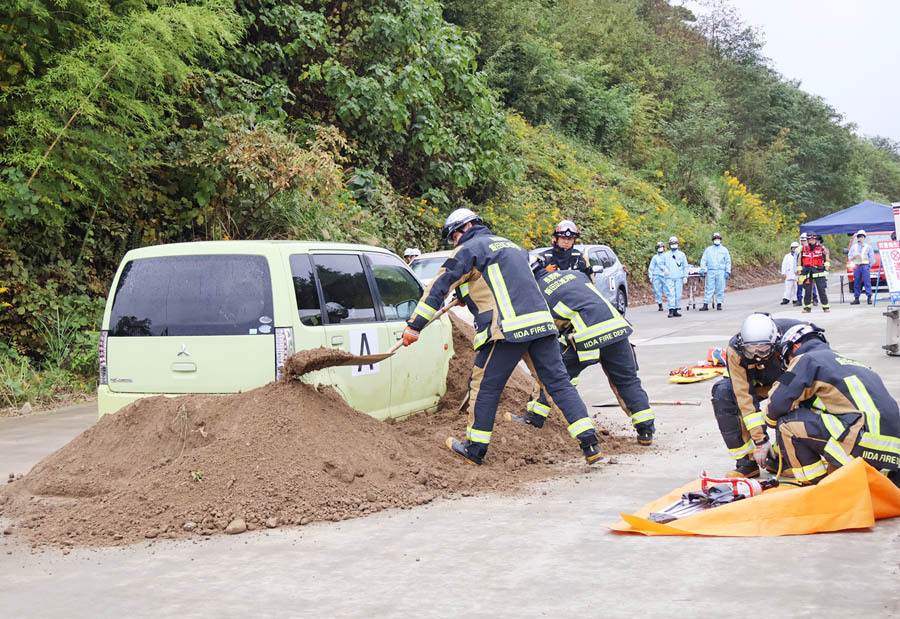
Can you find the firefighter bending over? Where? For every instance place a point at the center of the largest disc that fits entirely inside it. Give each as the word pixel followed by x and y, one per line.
pixel 512 322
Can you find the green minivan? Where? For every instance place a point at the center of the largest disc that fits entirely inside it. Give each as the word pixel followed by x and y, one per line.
pixel 222 317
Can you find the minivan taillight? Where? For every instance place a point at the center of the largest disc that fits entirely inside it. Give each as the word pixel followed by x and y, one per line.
pixel 101 357
pixel 284 348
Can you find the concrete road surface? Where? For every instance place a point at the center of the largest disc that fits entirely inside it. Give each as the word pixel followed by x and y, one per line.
pixel 544 554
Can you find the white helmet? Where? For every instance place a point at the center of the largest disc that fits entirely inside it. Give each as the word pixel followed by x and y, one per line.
pixel 794 244
pixel 861 233
pixel 456 220
pixel 759 335
pixel 567 228
pixel 673 240
pixel 803 236
pixel 411 251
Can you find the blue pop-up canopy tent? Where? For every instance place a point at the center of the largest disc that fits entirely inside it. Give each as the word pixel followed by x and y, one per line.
pixel 866 215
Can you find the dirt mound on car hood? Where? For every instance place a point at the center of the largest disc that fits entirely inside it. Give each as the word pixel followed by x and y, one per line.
pixel 286 453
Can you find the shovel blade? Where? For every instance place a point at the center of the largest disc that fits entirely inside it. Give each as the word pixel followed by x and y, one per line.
pixel 363 359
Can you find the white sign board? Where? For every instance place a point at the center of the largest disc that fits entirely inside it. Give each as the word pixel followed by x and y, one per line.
pixel 364 342
pixel 890 262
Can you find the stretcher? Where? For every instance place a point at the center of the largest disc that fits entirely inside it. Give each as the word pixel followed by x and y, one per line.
pixel 693 279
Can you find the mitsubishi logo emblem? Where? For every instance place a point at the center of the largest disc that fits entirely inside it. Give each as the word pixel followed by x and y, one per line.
pixel 183 351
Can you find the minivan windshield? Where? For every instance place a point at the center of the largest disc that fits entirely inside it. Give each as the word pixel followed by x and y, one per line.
pixel 220 294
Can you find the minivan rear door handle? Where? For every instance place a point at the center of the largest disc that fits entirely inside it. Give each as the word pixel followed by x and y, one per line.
pixel 337 340
pixel 184 367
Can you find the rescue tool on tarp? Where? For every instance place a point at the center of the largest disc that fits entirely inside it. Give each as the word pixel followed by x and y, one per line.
pixel 713 492
pixel 655 403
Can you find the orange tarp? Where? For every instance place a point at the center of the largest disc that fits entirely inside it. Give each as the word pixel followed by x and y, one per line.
pixel 853 497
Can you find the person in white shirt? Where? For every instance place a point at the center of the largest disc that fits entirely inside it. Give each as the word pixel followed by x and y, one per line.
pixel 860 255
pixel 789 271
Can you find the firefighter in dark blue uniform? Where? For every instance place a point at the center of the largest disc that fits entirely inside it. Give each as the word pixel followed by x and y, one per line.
pixel 563 256
pixel 828 409
pixel 752 368
pixel 512 322
pixel 593 332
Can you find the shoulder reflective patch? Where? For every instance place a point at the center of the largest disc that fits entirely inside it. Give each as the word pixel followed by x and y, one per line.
pixel 786 378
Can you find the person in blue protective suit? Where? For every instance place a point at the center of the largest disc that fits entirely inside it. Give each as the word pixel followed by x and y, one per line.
pixel 657 274
pixel 861 256
pixel 675 269
pixel 716 266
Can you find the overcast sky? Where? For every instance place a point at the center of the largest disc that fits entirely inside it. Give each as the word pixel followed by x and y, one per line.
pixel 846 51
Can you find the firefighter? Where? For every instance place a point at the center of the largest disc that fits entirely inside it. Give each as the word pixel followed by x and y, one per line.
pixel 813 269
pixel 410 254
pixel 752 369
pixel 715 264
pixel 593 332
pixel 563 255
pixel 492 277
pixel 656 273
pixel 804 241
pixel 675 269
pixel 827 409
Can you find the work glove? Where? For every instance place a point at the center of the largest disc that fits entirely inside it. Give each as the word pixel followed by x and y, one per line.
pixel 410 336
pixel 727 275
pixel 763 451
pixel 550 268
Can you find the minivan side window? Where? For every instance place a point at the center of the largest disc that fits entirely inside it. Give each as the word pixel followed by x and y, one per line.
pixel 305 290
pixel 345 288
pixel 398 289
pixel 212 294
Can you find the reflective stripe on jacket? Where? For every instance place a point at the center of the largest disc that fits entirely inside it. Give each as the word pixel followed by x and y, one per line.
pixel 822 380
pixel 501 292
pixel 573 300
pixel 566 259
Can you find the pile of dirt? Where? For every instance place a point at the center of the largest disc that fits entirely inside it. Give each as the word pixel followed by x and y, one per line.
pixel 284 454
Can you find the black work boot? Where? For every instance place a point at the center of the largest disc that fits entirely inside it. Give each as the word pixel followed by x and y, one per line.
pixel 719 306
pixel 591 453
pixel 671 313
pixel 855 301
pixel 869 300
pixel 645 431
pixel 705 308
pixel 660 306
pixel 462 451
pixel 784 302
pixel 745 467
pixel 797 303
pixel 675 313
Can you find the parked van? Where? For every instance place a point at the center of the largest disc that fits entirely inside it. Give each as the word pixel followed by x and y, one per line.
pixel 222 317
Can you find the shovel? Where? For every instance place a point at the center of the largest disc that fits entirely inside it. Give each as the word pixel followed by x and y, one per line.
pixel 370 359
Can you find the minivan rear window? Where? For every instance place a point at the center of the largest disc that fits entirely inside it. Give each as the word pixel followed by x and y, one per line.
pixel 213 294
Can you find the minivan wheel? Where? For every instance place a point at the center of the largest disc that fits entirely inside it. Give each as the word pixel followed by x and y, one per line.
pixel 621 301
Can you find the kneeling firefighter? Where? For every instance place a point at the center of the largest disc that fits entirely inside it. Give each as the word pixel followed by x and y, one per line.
pixel 752 368
pixel 512 322
pixel 827 409
pixel 593 332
